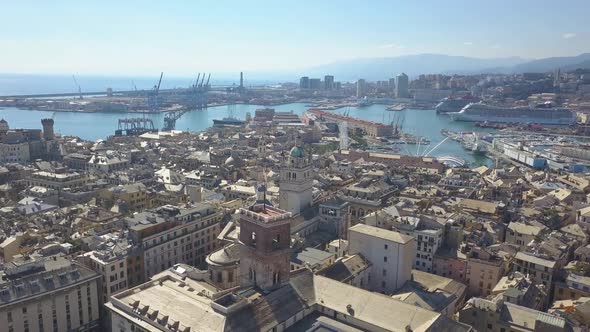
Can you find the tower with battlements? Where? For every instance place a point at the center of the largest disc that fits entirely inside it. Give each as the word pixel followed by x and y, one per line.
pixel 47 129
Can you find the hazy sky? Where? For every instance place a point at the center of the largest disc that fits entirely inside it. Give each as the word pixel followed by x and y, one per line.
pixel 142 37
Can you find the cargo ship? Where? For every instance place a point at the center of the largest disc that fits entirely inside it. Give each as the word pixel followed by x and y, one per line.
pixel 451 104
pixel 541 114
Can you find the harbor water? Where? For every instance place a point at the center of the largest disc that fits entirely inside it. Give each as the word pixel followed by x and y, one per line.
pixel 94 126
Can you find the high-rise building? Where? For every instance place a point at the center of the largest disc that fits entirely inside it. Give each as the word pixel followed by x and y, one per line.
pixel 315 83
pixel 304 83
pixel 361 88
pixel 50 294
pixel 328 82
pixel 265 246
pixel 295 193
pixel 392 85
pixel 401 86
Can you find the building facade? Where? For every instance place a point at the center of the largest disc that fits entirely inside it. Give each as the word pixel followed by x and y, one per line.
pixel 52 294
pixel 390 253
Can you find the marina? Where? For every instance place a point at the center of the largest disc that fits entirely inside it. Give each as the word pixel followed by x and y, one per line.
pixel 95 126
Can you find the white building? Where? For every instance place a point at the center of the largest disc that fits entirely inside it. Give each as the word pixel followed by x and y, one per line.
pixel 390 253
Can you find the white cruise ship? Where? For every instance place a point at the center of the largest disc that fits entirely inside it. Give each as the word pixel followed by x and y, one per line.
pixel 542 114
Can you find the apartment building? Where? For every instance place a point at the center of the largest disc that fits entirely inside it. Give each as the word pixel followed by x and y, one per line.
pixel 169 235
pixel 50 294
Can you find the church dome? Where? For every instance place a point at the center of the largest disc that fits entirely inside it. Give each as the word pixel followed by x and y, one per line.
pixel 229 161
pixel 297 152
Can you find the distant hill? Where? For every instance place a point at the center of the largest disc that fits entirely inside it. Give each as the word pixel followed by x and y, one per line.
pixel 414 65
pixel 551 64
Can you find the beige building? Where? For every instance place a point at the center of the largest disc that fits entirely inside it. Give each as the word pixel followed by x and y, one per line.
pixel 111 264
pixel 134 195
pixel 521 234
pixel 170 235
pixel 11 246
pixel 499 316
pixel 390 253
pixel 15 152
pixel 235 191
pixel 484 270
pixel 539 269
pixel 57 180
pixel 366 196
pixel 52 294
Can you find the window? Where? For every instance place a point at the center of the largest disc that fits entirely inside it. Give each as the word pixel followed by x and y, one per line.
pixel 384 272
pixel 385 246
pixel 385 259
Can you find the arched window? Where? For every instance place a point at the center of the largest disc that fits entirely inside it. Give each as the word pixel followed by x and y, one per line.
pixel 253 239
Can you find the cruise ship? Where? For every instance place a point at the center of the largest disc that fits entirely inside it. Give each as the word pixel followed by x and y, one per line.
pixel 450 104
pixel 541 114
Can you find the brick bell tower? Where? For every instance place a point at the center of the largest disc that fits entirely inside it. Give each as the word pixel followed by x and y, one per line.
pixel 265 246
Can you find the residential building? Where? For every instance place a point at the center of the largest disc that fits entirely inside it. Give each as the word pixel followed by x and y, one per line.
pixel 521 234
pixel 169 235
pixel 429 237
pixel 49 294
pixel 541 270
pixel 498 315
pixel 484 270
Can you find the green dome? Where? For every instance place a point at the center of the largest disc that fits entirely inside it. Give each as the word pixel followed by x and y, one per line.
pixel 297 152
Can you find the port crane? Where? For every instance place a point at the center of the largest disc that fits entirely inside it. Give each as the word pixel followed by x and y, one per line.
pixel 78 85
pixel 199 102
pixel 207 83
pixel 152 100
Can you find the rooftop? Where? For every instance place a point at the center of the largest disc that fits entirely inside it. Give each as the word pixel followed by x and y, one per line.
pixel 381 233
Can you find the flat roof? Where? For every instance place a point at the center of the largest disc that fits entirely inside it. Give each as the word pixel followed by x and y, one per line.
pixel 381 233
pixel 180 303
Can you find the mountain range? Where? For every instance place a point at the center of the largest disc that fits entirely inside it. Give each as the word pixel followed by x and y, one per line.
pixel 414 65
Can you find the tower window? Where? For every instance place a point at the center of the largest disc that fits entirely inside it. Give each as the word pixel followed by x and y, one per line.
pixel 253 239
pixel 276 241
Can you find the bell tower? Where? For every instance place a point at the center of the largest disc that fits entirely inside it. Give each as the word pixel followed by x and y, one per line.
pixel 265 246
pixel 296 180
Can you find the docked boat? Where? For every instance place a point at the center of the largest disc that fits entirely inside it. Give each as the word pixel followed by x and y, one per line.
pixel 451 104
pixel 396 108
pixel 228 121
pixel 541 114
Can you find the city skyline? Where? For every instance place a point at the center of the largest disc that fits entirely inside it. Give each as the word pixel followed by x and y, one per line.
pixel 127 39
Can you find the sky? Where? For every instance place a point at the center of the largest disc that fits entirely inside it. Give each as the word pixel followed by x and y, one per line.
pixel 178 37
